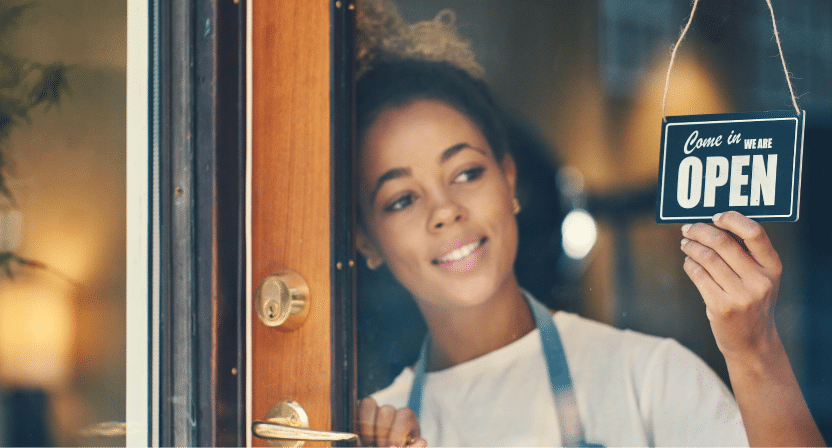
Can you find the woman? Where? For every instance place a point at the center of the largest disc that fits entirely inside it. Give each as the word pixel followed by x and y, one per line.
pixel 437 206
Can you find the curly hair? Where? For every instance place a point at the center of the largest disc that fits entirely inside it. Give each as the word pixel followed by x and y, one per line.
pixel 383 35
pixel 397 83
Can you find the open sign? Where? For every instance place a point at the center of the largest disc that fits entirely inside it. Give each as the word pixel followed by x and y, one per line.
pixel 748 162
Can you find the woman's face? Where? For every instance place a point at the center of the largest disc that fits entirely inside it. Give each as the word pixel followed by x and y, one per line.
pixel 437 205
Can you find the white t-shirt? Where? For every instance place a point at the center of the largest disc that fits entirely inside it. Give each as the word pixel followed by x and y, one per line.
pixel 631 390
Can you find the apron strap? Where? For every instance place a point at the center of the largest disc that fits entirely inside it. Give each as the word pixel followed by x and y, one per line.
pixel 414 401
pixel 572 433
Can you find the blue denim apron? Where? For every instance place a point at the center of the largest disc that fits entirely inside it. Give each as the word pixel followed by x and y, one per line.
pixel 572 432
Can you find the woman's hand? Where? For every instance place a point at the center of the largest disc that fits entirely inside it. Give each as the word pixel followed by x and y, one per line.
pixel 387 426
pixel 738 276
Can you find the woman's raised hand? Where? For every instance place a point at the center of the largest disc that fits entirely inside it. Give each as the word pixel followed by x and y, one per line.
pixel 387 426
pixel 738 275
pixel 738 278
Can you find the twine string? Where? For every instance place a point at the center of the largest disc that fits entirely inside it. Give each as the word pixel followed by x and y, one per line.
pixel 782 58
pixel 673 57
pixel 682 36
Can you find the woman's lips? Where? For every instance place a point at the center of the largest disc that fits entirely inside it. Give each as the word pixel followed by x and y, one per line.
pixel 463 257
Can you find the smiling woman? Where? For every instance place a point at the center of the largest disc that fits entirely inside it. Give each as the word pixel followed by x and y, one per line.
pixel 437 201
pixel 449 209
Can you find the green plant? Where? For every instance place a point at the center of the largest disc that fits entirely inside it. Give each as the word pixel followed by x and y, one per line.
pixel 26 87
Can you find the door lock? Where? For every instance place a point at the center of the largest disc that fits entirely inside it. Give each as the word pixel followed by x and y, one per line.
pixel 287 425
pixel 282 300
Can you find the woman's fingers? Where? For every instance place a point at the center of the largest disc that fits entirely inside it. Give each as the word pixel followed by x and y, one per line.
pixel 387 426
pixel 737 271
pixel 384 421
pixel 706 264
pixel 718 252
pixel 374 422
pixel 712 263
pixel 405 428
pixel 367 410
pixel 737 256
pixel 703 281
pixel 753 236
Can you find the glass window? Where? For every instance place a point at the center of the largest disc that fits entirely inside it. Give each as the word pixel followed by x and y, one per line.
pixel 73 224
pixel 587 79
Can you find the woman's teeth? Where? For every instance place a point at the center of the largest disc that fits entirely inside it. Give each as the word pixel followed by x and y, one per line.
pixel 462 252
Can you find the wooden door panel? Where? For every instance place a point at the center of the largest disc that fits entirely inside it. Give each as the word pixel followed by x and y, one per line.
pixel 290 198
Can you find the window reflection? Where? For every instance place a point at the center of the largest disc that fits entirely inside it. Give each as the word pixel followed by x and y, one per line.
pixel 62 308
pixel 588 77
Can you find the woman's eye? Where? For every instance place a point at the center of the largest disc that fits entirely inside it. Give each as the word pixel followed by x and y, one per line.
pixel 469 174
pixel 400 203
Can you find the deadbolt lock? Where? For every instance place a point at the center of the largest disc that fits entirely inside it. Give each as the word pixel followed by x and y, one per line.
pixel 282 300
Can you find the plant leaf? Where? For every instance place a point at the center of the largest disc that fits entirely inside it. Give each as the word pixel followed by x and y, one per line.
pixel 51 86
pixel 9 16
pixel 5 121
pixel 6 259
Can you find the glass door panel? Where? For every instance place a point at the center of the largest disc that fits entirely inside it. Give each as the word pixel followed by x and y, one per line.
pixel 73 223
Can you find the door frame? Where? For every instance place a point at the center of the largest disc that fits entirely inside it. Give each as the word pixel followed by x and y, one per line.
pixel 139 291
pixel 199 96
pixel 197 133
pixel 342 194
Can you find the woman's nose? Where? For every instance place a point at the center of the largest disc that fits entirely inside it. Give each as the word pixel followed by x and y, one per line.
pixel 445 213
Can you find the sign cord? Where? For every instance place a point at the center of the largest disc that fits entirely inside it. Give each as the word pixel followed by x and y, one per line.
pixel 673 57
pixel 782 58
pixel 682 36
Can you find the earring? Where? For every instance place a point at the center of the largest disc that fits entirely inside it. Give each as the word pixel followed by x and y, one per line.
pixel 373 265
pixel 516 206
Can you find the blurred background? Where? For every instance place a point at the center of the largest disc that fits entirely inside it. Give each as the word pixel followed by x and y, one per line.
pixel 62 321
pixel 583 81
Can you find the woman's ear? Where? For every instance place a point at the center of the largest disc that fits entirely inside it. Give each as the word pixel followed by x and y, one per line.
pixel 510 172
pixel 365 245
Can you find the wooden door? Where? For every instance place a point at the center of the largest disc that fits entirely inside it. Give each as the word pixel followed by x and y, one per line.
pixel 291 207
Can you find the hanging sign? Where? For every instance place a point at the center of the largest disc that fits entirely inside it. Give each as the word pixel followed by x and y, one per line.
pixel 748 162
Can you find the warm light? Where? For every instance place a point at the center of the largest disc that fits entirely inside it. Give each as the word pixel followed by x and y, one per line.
pixel 694 88
pixel 70 250
pixel 579 234
pixel 35 350
pixel 11 223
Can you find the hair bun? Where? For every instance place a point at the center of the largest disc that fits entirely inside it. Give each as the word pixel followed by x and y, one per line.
pixel 383 35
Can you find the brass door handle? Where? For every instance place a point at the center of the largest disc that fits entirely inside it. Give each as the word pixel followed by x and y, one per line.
pixel 104 429
pixel 288 425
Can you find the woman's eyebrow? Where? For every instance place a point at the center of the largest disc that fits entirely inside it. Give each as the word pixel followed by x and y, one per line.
pixel 388 175
pixel 450 152
pixel 395 173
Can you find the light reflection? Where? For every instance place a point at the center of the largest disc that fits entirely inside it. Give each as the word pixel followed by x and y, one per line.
pixel 36 347
pixel 579 234
pixel 11 225
pixel 62 317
